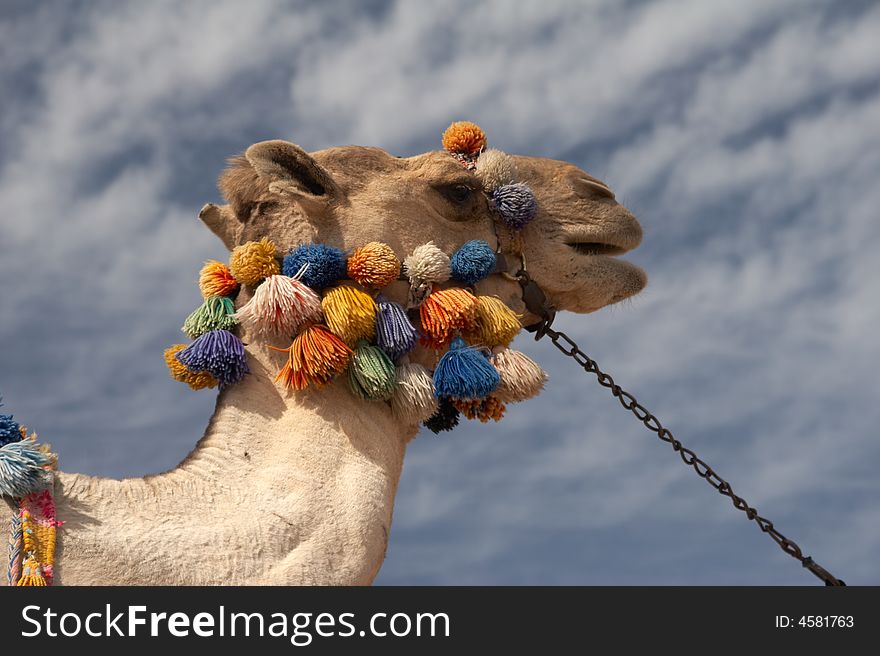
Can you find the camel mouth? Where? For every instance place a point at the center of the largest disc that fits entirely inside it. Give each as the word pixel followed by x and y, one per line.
pixel 596 248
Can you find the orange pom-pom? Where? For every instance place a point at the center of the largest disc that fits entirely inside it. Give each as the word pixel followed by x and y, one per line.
pixel 215 279
pixel 465 138
pixel 482 409
pixel 444 313
pixel 254 261
pixel 374 265
pixel 315 357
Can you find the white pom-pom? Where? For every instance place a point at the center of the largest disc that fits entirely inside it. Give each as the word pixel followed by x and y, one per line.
pixel 495 169
pixel 427 264
pixel 413 400
pixel 521 377
pixel 279 306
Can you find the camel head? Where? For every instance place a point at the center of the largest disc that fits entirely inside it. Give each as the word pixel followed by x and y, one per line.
pixel 349 196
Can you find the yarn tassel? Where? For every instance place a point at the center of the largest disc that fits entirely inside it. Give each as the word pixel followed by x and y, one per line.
pixel 216 313
pixel 279 306
pixel 179 372
pixel 444 313
pixel 23 468
pixel 350 313
pixel 464 373
pixel 413 400
pixel 395 333
pixel 521 377
pixel 218 352
pixel 490 408
pixel 495 324
pixel 371 373
pixel 314 357
pixel 32 573
pixel 215 279
pixel 445 419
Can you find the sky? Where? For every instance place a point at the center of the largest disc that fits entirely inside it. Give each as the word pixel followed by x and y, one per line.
pixel 744 135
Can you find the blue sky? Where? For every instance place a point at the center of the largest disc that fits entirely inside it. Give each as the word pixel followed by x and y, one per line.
pixel 744 135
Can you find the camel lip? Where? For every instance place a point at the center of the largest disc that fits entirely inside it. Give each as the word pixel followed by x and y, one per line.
pixel 596 248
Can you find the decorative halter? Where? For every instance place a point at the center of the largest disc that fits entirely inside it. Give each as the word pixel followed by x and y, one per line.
pixel 331 304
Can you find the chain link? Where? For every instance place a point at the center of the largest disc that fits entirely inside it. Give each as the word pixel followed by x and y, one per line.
pixel 568 347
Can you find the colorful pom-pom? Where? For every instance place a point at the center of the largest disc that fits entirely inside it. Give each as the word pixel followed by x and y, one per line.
pixel 218 352
pixel 425 266
pixel 279 306
pixel 254 261
pixel 315 357
pixel 216 313
pixel 464 373
pixel 516 205
pixel 472 262
pixel 445 419
pixel 490 408
pixel 326 265
pixel 444 313
pixel 23 468
pixel 521 377
pixel 495 169
pixel 465 138
pixel 413 400
pixel 371 373
pixel 427 263
pixel 350 313
pixel 215 279
pixel 374 265
pixel 494 324
pixel 196 380
pixel 10 430
pixel 395 333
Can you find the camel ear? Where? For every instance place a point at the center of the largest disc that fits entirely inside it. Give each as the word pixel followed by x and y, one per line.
pixel 222 222
pixel 289 169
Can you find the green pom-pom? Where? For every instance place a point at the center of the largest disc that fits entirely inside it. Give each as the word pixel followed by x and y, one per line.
pixel 216 313
pixel 371 373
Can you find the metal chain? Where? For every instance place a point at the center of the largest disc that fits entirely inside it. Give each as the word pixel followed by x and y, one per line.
pixel 567 346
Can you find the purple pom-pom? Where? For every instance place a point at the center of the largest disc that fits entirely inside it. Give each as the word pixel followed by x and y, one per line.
pixel 516 204
pixel 218 352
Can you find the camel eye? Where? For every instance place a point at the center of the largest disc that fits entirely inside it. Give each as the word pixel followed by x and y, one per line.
pixel 458 193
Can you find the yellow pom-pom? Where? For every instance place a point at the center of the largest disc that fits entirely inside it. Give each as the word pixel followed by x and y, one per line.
pixel 215 279
pixel 465 138
pixel 350 313
pixel 494 324
pixel 374 265
pixel 253 262
pixel 179 371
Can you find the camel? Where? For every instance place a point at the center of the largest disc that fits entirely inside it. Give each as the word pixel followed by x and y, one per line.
pixel 298 488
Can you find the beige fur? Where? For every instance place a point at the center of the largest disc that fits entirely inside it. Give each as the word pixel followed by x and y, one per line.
pixel 298 488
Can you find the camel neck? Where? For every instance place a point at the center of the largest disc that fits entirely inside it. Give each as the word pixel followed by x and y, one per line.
pixel 258 426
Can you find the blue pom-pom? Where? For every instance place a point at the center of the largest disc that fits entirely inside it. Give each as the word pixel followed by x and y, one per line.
pixel 516 204
pixel 326 265
pixel 464 373
pixel 218 352
pixel 23 469
pixel 9 430
pixel 473 262
pixel 395 333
